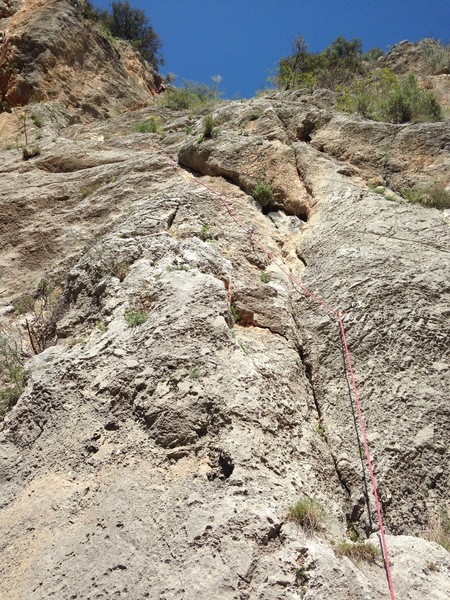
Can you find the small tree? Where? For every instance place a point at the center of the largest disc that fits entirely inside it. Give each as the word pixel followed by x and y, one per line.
pixel 132 24
pixel 343 49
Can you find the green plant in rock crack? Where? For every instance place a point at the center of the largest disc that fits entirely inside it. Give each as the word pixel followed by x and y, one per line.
pixel 23 304
pixel 264 276
pixel 206 234
pixel 320 430
pixel 262 192
pixel 301 577
pixel 235 313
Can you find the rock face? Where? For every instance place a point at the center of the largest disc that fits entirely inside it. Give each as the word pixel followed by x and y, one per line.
pixel 193 391
pixel 49 51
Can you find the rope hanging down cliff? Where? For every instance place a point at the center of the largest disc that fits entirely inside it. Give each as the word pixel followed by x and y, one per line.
pixel 338 315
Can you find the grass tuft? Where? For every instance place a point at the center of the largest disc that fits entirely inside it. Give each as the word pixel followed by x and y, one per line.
pixel 439 529
pixel 358 551
pixel 152 125
pixel 308 513
pixel 430 196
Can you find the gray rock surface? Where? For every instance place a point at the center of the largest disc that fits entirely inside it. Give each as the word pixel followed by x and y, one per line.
pixel 159 460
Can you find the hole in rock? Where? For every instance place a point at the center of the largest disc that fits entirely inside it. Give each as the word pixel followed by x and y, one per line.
pixel 112 426
pixel 226 465
pixel 274 208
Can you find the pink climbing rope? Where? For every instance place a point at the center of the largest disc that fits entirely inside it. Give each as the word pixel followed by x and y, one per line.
pixel 339 316
pixel 368 457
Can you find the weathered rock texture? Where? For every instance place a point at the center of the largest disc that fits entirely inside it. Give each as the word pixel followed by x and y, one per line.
pixel 158 461
pixel 48 51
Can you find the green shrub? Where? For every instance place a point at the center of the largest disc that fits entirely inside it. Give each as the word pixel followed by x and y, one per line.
pixel 407 102
pixel 308 513
pixel 363 95
pixel 262 192
pixel 191 95
pixel 338 64
pixel 135 317
pixel 150 126
pixel 436 56
pixel 264 276
pixel 380 96
pixel 373 55
pixel 358 551
pixel 431 196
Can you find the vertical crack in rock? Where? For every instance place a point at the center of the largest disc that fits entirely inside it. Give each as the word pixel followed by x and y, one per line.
pixel 309 376
pixel 171 218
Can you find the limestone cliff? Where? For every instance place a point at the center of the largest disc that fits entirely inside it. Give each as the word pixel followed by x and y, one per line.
pixel 186 391
pixel 48 51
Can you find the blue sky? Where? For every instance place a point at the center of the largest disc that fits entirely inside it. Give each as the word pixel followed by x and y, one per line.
pixel 242 40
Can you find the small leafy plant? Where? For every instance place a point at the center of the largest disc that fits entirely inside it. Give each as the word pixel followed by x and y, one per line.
pixel 235 313
pixel 262 192
pixel 264 276
pixel 194 373
pixel 171 268
pixel 308 513
pixel 37 121
pixel 206 234
pixel 135 317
